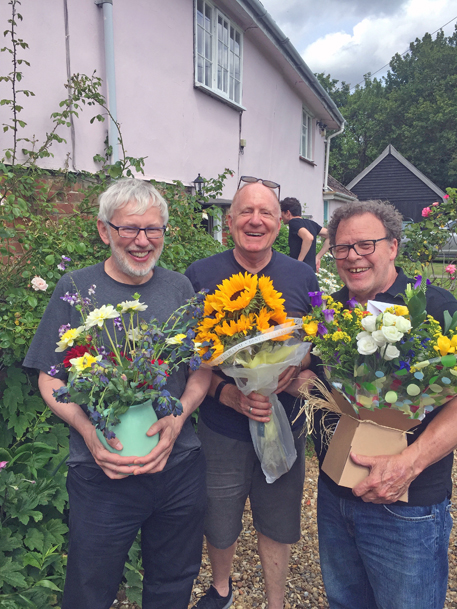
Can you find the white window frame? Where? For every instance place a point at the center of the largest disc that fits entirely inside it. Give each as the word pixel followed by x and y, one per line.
pixel 218 53
pixel 306 136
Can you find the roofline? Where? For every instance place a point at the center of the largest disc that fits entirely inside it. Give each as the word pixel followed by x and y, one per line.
pixel 391 150
pixel 266 23
pixel 333 194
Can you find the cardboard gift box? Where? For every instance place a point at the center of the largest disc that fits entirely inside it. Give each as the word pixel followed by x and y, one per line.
pixel 370 433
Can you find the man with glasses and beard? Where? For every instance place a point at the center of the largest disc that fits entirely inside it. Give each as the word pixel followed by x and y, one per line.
pixel 377 552
pixel 111 499
pixel 234 471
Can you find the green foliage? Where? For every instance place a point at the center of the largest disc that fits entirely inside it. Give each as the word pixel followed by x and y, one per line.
pixel 414 108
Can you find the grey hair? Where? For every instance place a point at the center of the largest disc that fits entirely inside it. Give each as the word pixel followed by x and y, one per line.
pixel 130 190
pixel 390 217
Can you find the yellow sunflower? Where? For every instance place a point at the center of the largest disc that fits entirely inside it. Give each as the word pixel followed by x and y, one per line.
pixel 212 304
pixel 232 327
pixel 271 296
pixel 236 293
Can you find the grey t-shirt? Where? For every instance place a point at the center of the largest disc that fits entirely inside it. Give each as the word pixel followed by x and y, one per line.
pixel 165 292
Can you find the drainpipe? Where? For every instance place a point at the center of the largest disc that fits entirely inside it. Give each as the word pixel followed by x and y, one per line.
pixel 327 154
pixel 113 134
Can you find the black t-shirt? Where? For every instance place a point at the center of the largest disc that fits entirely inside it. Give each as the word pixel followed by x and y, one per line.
pixel 290 277
pixel 434 484
pixel 295 241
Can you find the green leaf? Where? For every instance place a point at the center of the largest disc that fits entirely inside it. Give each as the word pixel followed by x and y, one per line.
pixel 32 301
pixel 10 573
pixel 50 259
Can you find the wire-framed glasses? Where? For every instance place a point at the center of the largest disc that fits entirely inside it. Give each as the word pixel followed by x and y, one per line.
pixel 267 183
pixel 132 232
pixel 361 248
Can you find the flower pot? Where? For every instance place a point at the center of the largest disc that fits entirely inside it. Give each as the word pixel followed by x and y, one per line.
pixel 131 431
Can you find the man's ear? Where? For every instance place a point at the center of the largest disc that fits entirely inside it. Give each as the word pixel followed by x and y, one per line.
pixel 103 232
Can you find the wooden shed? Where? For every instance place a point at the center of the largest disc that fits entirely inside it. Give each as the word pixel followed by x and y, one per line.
pixel 392 178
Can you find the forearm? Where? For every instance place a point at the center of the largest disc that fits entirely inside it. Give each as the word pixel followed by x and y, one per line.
pixel 196 389
pixel 305 247
pixel 324 249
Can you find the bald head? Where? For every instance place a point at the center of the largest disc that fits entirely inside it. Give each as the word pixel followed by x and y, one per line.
pixel 256 190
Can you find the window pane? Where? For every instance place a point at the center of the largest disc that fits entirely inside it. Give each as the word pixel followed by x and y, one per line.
pixel 208 46
pixel 200 69
pixel 208 12
pixel 208 73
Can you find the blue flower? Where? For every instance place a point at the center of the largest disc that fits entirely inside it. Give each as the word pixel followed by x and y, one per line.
pixel 328 314
pixel 316 298
pixel 352 303
pixel 53 371
pixel 321 329
pixel 194 362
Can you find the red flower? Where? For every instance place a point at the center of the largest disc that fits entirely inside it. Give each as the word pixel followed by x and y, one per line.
pixel 77 351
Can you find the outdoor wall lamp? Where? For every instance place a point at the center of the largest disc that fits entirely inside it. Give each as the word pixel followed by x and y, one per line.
pixel 198 184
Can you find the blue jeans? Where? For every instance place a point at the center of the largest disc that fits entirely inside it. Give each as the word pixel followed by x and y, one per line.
pixel 105 517
pixel 383 556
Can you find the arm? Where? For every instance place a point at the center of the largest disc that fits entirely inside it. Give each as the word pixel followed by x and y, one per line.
pixel 390 476
pixel 170 427
pixel 324 249
pixel 113 465
pixel 306 242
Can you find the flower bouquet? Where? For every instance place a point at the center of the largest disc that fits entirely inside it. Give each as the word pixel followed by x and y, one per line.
pixel 246 332
pixel 393 364
pixel 115 360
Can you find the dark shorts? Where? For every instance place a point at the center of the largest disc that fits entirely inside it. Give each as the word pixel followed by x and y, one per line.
pixel 234 474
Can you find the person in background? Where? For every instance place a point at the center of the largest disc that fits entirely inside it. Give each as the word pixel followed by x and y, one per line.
pixel 111 498
pixel 302 234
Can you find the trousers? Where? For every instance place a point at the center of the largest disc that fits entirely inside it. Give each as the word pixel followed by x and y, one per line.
pixel 105 517
pixel 380 556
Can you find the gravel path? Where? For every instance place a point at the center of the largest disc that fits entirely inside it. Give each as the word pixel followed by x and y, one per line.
pixel 304 583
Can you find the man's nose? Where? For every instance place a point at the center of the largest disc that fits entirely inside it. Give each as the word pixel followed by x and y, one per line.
pixel 141 239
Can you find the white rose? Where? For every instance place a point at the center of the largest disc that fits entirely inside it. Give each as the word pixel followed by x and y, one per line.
pixel 369 323
pixel 38 283
pixel 388 319
pixel 366 345
pixel 391 352
pixel 392 334
pixel 402 324
pixel 379 338
pixel 361 335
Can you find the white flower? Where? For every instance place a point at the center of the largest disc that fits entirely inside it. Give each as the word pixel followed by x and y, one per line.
pixel 134 334
pixel 388 319
pixel 391 352
pixel 379 338
pixel 392 334
pixel 361 335
pixel 39 284
pixel 68 338
pixel 369 323
pixel 402 324
pixel 132 305
pixel 316 351
pixel 97 316
pixel 366 345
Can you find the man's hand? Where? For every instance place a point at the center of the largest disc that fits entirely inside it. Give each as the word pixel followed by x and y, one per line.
pixel 389 478
pixel 255 406
pixel 287 377
pixel 168 429
pixel 114 465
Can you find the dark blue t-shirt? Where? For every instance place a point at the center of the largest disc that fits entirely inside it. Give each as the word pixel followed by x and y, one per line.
pixel 290 277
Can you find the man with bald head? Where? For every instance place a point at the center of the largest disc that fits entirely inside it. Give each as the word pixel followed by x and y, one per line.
pixel 234 472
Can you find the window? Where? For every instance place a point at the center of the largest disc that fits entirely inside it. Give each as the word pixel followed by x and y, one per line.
pixel 218 52
pixel 306 145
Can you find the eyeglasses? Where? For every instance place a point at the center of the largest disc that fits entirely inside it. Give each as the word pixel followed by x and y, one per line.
pixel 267 183
pixel 361 248
pixel 132 232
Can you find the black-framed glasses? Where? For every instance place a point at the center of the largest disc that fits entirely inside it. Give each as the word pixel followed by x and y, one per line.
pixel 361 248
pixel 132 232
pixel 267 183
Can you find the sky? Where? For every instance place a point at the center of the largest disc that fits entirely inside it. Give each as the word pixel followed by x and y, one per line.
pixel 349 38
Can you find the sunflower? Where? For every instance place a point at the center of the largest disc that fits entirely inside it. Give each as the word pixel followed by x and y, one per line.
pixel 212 305
pixel 232 327
pixel 215 349
pixel 237 292
pixel 271 296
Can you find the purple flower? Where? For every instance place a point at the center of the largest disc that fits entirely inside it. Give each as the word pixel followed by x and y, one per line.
pixel 72 299
pixel 328 314
pixel 91 290
pixel 316 298
pixel 118 324
pixel 321 329
pixel 61 266
pixel 53 371
pixel 63 329
pixel 418 279
pixel 66 258
pixel 352 303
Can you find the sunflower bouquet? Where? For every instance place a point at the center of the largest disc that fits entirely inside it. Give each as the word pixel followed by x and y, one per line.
pixel 115 360
pixel 246 332
pixel 386 356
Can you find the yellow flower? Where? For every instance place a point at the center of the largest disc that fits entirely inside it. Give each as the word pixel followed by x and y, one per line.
pixel 271 297
pixel 444 345
pixel 81 363
pixel 232 327
pixel 401 310
pixel 311 328
pixel 212 304
pixel 338 335
pixel 236 293
pixel 97 317
pixel 68 339
pixel 175 340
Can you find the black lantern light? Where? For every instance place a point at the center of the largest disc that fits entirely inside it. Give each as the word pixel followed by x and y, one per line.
pixel 198 184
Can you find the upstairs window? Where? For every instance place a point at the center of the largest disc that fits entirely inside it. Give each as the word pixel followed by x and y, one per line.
pixel 306 145
pixel 218 52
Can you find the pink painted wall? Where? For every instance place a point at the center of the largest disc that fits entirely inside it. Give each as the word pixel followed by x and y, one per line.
pixel 180 129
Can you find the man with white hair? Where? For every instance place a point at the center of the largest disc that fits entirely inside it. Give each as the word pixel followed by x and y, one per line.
pixel 111 499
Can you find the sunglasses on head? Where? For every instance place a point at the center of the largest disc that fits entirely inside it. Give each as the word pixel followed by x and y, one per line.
pixel 267 183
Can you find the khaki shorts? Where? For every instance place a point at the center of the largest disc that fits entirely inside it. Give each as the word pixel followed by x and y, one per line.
pixel 233 474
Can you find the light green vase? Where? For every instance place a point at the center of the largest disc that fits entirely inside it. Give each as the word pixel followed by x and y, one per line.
pixel 131 431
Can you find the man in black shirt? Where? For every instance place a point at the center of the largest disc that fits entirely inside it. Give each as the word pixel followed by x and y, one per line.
pixel 377 552
pixel 302 234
